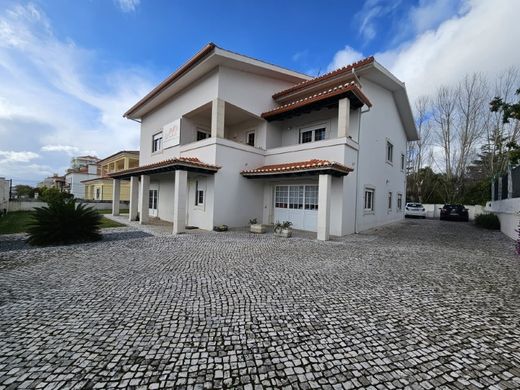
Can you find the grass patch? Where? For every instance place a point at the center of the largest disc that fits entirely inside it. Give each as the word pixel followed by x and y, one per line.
pixel 19 221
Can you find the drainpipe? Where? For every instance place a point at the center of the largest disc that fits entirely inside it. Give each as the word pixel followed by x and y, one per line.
pixel 357 171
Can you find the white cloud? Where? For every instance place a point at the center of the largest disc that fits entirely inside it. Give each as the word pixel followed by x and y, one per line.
pixel 344 57
pixel 127 5
pixel 68 149
pixel 57 95
pixel 12 156
pixel 370 12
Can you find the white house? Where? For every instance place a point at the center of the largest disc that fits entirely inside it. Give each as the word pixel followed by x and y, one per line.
pixel 227 138
pixel 82 168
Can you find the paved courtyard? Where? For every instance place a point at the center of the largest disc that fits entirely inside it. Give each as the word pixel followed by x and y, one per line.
pixel 418 305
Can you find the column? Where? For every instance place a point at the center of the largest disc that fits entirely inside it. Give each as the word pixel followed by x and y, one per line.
pixel 343 117
pixel 116 196
pixel 144 194
pixel 179 201
pixel 134 198
pixel 324 190
pixel 268 204
pixel 218 108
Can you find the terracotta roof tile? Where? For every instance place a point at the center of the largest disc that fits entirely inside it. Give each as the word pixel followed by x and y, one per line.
pixel 329 75
pixel 181 161
pixel 316 97
pixel 299 166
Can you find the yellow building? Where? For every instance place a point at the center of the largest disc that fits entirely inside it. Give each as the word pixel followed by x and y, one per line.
pixel 101 188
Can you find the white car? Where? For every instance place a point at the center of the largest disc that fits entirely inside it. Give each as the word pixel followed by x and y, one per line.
pixel 414 210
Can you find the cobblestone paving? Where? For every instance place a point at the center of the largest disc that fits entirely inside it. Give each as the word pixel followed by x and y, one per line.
pixel 418 305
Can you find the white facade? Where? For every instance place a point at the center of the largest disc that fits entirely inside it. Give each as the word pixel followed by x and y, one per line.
pixel 5 186
pixel 224 100
pixel 74 180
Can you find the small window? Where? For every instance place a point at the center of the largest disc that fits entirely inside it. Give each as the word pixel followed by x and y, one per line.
pixel 389 152
pixel 399 202
pixel 250 138
pixel 157 142
pixel 296 197
pixel 311 197
pixel 389 201
pixel 199 194
pixel 402 162
pixel 317 134
pixel 281 196
pixel 202 135
pixel 306 136
pixel 369 199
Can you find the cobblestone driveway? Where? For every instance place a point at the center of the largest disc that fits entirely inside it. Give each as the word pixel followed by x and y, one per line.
pixel 421 304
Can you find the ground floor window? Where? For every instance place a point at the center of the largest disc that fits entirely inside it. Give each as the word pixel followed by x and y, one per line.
pixel 199 194
pixel 152 199
pixel 296 197
pixel 399 202
pixel 389 201
pixel 369 199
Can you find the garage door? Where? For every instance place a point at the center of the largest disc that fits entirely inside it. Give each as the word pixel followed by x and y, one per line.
pixel 298 204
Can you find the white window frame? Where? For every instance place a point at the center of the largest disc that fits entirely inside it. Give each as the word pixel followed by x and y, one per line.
pixel 399 201
pixel 313 129
pixel 160 148
pixel 391 160
pixel 200 188
pixel 390 200
pixel 199 130
pixel 372 191
pixel 254 137
pixel 403 162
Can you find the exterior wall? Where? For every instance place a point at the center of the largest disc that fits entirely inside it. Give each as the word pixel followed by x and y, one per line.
pixel 507 211
pixel 74 180
pixel 434 210
pixel 106 187
pixel 4 193
pixel 380 123
pixel 27 205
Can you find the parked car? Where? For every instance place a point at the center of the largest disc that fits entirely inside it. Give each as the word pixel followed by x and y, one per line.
pixel 414 210
pixel 454 212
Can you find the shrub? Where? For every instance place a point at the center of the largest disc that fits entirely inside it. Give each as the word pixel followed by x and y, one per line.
pixel 488 221
pixel 64 223
pixel 54 196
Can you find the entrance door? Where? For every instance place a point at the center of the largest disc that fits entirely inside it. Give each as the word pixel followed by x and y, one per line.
pixel 152 203
pixel 297 204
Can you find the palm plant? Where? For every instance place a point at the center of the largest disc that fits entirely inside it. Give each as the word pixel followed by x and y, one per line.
pixel 64 223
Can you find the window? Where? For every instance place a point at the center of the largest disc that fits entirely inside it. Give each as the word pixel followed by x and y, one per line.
pixel 402 162
pixel 152 199
pixel 389 201
pixel 311 135
pixel 201 134
pixel 296 197
pixel 199 194
pixel 311 197
pixel 250 138
pixel 281 196
pixel 389 152
pixel 98 193
pixel 157 142
pixel 369 199
pixel 399 202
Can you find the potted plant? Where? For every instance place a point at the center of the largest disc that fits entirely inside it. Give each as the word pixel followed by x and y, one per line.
pixel 255 227
pixel 220 228
pixel 283 229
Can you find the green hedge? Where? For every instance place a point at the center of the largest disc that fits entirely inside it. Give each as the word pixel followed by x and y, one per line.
pixel 488 221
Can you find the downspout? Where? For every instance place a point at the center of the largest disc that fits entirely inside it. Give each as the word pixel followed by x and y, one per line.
pixel 356 230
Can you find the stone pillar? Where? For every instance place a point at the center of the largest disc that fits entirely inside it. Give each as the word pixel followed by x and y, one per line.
pixel 218 108
pixel 144 194
pixel 180 195
pixel 343 117
pixel 134 198
pixel 324 190
pixel 116 196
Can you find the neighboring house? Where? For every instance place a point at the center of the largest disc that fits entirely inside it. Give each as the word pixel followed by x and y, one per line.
pixel 5 187
pixel 79 173
pixel 83 161
pixel 54 181
pixel 101 188
pixel 227 138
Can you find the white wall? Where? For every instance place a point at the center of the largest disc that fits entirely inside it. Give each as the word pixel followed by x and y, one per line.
pixel 77 188
pixel 508 212
pixel 26 205
pixel 434 210
pixel 380 123
pixel 4 193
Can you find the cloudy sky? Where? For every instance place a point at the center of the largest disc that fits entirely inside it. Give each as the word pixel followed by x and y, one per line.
pixel 69 69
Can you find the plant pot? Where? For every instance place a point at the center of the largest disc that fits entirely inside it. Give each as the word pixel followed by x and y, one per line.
pixel 220 228
pixel 257 228
pixel 285 233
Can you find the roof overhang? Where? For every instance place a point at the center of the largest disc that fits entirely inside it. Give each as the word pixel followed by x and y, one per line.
pixel 207 59
pixel 175 164
pixel 302 168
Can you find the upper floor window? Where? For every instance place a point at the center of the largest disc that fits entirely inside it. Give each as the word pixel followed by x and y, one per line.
pixel 250 138
pixel 402 161
pixel 157 142
pixel 201 134
pixel 311 135
pixel 389 152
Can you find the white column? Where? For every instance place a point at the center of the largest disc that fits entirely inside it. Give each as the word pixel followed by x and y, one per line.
pixel 343 117
pixel 144 194
pixel 324 190
pixel 116 196
pixel 179 201
pixel 134 198
pixel 218 108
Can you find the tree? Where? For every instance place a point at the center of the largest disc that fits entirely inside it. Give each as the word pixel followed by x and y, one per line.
pixel 54 196
pixel 24 191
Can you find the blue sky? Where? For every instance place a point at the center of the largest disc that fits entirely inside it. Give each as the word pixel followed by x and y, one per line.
pixel 69 69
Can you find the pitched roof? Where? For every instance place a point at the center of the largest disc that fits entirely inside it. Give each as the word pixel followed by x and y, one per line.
pixel 308 166
pixel 326 76
pixel 178 163
pixel 120 152
pixel 349 87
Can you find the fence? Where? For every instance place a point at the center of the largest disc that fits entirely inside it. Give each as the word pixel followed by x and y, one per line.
pixel 28 204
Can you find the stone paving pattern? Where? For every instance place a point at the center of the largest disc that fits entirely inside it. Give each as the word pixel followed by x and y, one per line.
pixel 416 305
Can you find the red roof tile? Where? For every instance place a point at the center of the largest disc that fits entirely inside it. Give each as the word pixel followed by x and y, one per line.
pixel 301 166
pixel 316 80
pixel 178 161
